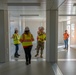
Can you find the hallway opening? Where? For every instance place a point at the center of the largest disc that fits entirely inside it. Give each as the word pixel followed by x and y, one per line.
pixel 69 25
pixel 20 18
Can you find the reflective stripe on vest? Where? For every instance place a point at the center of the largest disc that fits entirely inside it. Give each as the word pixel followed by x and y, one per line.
pixel 27 37
pixel 41 37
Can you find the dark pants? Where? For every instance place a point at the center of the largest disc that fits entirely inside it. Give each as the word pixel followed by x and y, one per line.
pixel 66 43
pixel 27 51
pixel 16 49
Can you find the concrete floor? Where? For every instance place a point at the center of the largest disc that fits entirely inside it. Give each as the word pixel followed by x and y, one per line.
pixel 19 68
pixel 67 67
pixel 21 52
pixel 66 63
pixel 67 54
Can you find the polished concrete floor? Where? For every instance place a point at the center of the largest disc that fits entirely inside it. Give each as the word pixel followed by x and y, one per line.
pixel 66 63
pixel 19 68
pixel 67 67
pixel 22 55
pixel 67 54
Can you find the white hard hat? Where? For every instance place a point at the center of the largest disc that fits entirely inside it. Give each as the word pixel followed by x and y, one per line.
pixel 42 27
pixel 26 28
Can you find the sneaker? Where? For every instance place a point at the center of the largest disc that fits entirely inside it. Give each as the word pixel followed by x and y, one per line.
pixel 64 48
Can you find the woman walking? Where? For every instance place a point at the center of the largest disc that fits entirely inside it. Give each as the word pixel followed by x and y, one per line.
pixel 16 41
pixel 26 40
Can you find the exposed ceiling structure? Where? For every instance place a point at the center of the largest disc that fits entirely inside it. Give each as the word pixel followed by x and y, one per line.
pixel 67 11
pixel 37 9
pixel 27 8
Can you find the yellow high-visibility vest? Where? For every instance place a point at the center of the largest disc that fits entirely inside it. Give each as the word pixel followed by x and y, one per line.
pixel 25 37
pixel 41 37
pixel 16 38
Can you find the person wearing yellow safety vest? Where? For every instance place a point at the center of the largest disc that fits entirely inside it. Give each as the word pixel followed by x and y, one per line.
pixel 16 41
pixel 26 40
pixel 40 41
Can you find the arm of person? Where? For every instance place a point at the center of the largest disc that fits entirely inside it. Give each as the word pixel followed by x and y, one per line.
pixel 12 36
pixel 21 38
pixel 68 35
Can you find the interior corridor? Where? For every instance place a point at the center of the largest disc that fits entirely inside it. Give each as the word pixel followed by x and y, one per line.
pixel 55 16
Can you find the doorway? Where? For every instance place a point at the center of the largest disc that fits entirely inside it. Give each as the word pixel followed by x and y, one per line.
pixel 20 24
pixel 68 55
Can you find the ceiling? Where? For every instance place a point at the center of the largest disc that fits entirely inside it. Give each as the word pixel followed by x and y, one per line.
pixel 37 9
pixel 67 11
pixel 27 8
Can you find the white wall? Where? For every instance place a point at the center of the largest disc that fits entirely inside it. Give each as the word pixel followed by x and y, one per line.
pixel 60 33
pixel 73 34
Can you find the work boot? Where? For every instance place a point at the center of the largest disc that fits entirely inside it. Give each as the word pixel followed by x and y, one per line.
pixel 36 55
pixel 41 56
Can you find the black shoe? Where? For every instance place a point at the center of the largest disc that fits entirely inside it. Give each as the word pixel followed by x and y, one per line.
pixel 18 54
pixel 27 63
pixel 64 48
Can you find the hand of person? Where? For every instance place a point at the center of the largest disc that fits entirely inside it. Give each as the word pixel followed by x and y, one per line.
pixel 41 39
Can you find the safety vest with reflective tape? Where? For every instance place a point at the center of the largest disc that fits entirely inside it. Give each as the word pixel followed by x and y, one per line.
pixel 16 38
pixel 26 39
pixel 41 37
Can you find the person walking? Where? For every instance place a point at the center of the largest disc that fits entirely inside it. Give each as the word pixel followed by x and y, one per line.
pixel 40 41
pixel 66 36
pixel 26 40
pixel 16 41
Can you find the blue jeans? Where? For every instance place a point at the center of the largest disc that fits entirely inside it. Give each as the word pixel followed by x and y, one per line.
pixel 16 49
pixel 66 43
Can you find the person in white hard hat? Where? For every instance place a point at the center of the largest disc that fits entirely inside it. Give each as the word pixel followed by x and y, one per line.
pixel 40 41
pixel 16 41
pixel 26 40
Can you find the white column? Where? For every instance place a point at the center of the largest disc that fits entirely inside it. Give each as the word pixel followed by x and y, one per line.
pixel 4 40
pixel 52 35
